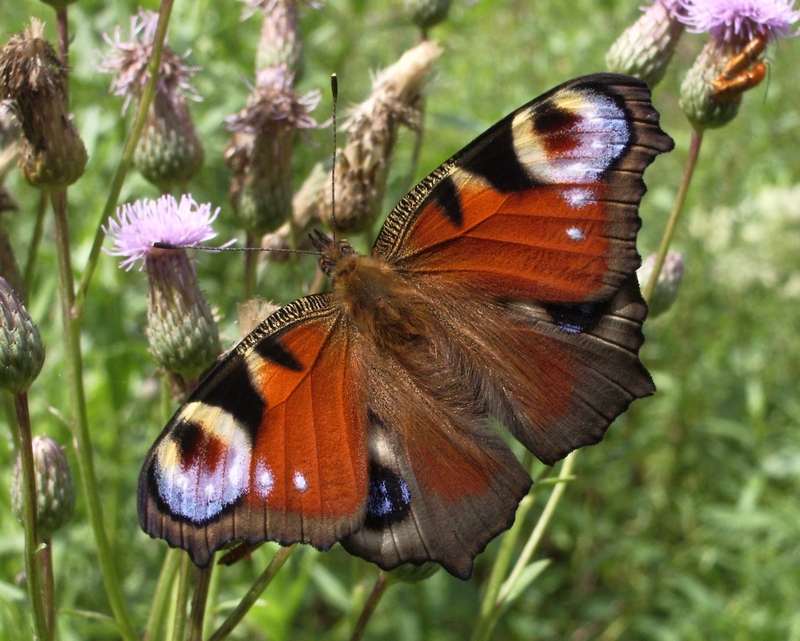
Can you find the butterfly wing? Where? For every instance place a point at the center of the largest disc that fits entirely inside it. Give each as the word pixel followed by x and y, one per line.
pixel 523 249
pixel 270 446
pixel 542 206
pixel 536 223
pixel 442 483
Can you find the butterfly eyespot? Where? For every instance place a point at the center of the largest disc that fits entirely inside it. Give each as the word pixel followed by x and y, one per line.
pixel 389 497
pixel 574 319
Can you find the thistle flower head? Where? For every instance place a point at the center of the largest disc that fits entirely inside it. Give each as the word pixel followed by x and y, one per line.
pixel 181 329
pixel 741 20
pixel 362 166
pixel 730 63
pixel 128 60
pixel 275 100
pixel 260 151
pixel 33 79
pixel 165 220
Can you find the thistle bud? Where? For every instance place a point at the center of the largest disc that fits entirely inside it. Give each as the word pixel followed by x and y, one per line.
pixel 260 151
pixel 169 152
pixel 697 100
pixel 181 329
pixel 52 154
pixel 55 490
pixel 426 13
pixel 645 48
pixel 362 167
pixel 669 280
pixel 21 347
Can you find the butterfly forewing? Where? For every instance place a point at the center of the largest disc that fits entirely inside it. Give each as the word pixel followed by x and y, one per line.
pixel 543 206
pixel 271 446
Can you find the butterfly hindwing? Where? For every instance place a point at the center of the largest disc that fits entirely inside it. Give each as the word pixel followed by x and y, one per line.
pixel 442 481
pixel 271 446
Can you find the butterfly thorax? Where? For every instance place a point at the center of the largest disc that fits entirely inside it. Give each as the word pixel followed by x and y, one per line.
pixel 375 299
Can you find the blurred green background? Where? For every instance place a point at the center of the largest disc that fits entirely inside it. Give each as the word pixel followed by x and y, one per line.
pixel 682 524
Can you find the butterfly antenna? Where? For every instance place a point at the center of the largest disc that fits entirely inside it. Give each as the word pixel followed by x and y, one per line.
pixel 335 94
pixel 227 248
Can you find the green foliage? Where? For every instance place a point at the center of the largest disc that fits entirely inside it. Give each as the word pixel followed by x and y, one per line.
pixel 682 524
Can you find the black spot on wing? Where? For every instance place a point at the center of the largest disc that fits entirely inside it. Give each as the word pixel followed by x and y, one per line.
pixel 494 159
pixel 389 499
pixel 274 351
pixel 229 387
pixel 445 196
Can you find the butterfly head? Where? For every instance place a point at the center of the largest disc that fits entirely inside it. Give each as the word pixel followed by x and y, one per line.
pixel 331 252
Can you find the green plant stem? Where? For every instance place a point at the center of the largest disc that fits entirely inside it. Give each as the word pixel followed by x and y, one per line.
pixel 33 567
pixel 11 415
pixel 62 24
pixel 199 601
pixel 260 584
pixel 159 608
pixel 182 598
pixel 378 590
pixel 565 474
pixel 127 155
pixel 49 588
pixel 81 439
pixel 506 551
pixel 672 223
pixel 497 590
pixel 36 240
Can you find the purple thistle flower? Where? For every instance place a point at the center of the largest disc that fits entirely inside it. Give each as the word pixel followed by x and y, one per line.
pixel 129 61
pixel 165 220
pixel 741 19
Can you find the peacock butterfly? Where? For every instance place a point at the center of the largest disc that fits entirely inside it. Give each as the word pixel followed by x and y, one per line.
pixel 501 288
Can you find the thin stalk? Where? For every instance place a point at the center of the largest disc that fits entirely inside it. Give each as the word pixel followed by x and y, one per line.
pixel 213 596
pixel 541 526
pixel 49 588
pixel 507 545
pixel 36 240
pixel 81 439
pixel 62 24
pixel 127 155
pixel 182 598
pixel 260 584
pixel 160 607
pixel 672 223
pixel 11 415
pixel 199 601
pixel 378 590
pixel 495 597
pixel 33 567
